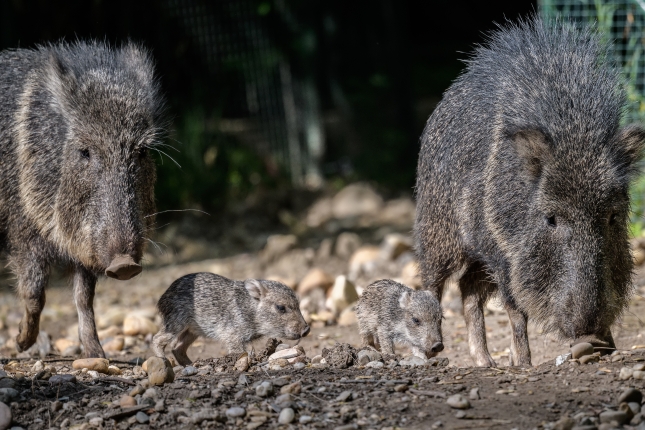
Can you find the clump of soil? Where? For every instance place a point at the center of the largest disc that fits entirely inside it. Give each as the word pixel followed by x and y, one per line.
pixel 269 349
pixel 341 356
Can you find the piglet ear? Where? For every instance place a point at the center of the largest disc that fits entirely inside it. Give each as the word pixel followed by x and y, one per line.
pixel 533 149
pixel 404 300
pixel 255 288
pixel 631 139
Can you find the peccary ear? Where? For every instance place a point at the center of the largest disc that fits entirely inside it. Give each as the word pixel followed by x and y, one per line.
pixel 60 80
pixel 255 288
pixel 631 140
pixel 533 149
pixel 404 300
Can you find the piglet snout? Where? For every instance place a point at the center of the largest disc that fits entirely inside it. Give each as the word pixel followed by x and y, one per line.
pixel 305 332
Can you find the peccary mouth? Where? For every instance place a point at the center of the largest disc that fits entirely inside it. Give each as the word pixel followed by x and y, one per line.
pixel 123 267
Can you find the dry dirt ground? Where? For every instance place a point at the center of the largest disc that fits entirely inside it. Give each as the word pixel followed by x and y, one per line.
pixel 389 397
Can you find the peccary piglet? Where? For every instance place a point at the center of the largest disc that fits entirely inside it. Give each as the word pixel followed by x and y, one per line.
pixel 390 312
pixel 234 312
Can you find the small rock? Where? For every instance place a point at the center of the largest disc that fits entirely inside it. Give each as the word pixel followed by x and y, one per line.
pixel 586 359
pixel 375 364
pixel 367 355
pixel 127 401
pixel 114 345
pixel 315 278
pixel 71 351
pixel 242 364
pixel 458 401
pixel 630 395
pixel 160 406
pixel 343 294
pixel 98 364
pixel 265 389
pixel 5 416
pixel 94 374
pixel 189 371
pixel 235 412
pixel 291 388
pixel 639 366
pixel 474 394
pixel 113 370
pixel 63 344
pixel 136 324
pixel 401 388
pixel 62 378
pixel 344 396
pixel 159 371
pixel 412 361
pixel 299 366
pixel 8 395
pixel 316 359
pixel 638 374
pixel 107 333
pixel 137 390
pixel 285 354
pixel 581 349
pixel 150 393
pixel 356 200
pixel 142 417
pixel 97 422
pixel 277 245
pixel 37 367
pixel 564 423
pixel 305 419
pixel 286 416
pixel 608 416
pixel 625 373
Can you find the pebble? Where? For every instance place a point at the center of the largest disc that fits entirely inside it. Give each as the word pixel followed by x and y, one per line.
pixel 375 364
pixel 458 401
pixel 159 371
pixel 8 395
pixel 137 390
pixel 138 324
pixel 37 367
pixel 62 378
pixel 5 416
pixel 560 359
pixel 625 373
pixel 638 374
pixel 299 366
pixel 96 422
pixel 630 395
pixel 189 371
pixel 235 412
pixel 150 392
pixel 344 396
pixel 127 401
pixel 291 388
pixel 265 389
pixel 160 406
pixel 142 417
pixel 474 394
pixel 97 364
pixel 286 416
pixel 412 361
pixel 305 419
pixel 608 416
pixel 401 388
pixel 242 364
pixel 94 374
pixel 581 349
pixel 317 359
pixel 114 345
pixel 367 355
pixel 639 366
pixel 589 359
pixel 285 353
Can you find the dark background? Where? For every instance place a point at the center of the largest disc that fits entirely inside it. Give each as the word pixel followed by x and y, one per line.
pixel 377 69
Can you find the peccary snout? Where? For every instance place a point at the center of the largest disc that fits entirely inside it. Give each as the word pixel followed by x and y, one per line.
pixel 305 332
pixel 123 268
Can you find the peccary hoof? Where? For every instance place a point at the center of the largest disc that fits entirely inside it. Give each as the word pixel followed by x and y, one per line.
pixel 123 268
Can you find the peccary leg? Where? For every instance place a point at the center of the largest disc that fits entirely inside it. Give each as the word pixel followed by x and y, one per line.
pixel 84 286
pixel 474 293
pixel 159 342
pixel 370 340
pixel 180 346
pixel 32 274
pixel 520 351
pixel 387 344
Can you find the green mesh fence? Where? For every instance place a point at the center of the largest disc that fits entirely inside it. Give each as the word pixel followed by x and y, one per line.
pixel 623 23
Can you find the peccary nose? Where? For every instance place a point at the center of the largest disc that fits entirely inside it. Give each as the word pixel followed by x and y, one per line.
pixel 437 347
pixel 123 268
pixel 305 332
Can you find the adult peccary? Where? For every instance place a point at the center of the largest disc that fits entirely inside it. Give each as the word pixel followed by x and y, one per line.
pixel 76 180
pixel 389 313
pixel 522 187
pixel 234 312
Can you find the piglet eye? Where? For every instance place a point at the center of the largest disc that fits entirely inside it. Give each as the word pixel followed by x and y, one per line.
pixel 551 221
pixel 281 308
pixel 416 321
pixel 85 154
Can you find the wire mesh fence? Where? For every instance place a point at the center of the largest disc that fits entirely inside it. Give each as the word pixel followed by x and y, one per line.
pixel 623 23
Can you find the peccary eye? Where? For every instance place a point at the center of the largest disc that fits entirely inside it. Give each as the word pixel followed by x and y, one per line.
pixel 416 321
pixel 143 152
pixel 281 308
pixel 85 153
pixel 551 221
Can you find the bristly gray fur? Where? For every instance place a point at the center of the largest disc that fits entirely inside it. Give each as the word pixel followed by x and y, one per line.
pixel 389 313
pixel 76 179
pixel 522 186
pixel 234 312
